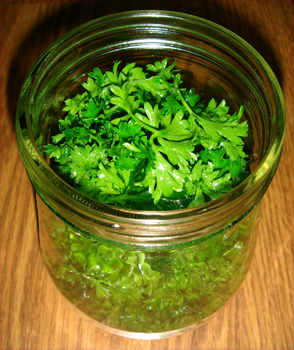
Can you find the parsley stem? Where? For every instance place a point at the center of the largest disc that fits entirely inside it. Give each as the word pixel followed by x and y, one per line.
pixel 197 117
pixel 155 149
pixel 137 120
pixel 185 103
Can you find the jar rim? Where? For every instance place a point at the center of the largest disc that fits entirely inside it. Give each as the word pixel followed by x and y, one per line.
pixel 243 190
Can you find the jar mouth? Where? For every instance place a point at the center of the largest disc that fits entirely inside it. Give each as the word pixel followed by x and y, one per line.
pixel 249 191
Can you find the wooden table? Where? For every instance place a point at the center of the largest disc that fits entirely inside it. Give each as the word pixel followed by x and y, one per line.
pixel 33 314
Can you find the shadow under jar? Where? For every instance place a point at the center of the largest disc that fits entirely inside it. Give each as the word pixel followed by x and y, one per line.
pixel 144 274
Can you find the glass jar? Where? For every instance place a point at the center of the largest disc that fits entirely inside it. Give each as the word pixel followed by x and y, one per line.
pixel 148 274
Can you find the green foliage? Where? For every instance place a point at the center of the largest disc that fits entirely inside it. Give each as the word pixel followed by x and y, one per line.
pixel 149 290
pixel 126 118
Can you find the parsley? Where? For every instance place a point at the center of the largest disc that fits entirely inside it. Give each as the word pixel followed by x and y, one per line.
pixel 130 117
pixel 136 139
pixel 139 290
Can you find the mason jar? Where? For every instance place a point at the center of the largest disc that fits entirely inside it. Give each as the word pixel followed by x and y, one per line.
pixel 150 274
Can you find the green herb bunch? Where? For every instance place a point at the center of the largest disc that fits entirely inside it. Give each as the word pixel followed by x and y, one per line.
pixel 149 291
pixel 138 140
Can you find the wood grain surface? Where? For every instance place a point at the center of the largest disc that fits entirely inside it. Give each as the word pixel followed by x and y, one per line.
pixel 33 314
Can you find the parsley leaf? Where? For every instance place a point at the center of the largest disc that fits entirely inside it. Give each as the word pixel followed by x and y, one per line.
pixel 177 128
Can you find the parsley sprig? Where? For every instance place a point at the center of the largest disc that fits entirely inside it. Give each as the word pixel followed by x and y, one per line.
pixel 136 139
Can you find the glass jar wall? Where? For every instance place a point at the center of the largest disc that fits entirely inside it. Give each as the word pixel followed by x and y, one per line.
pixel 155 292
pixel 140 273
